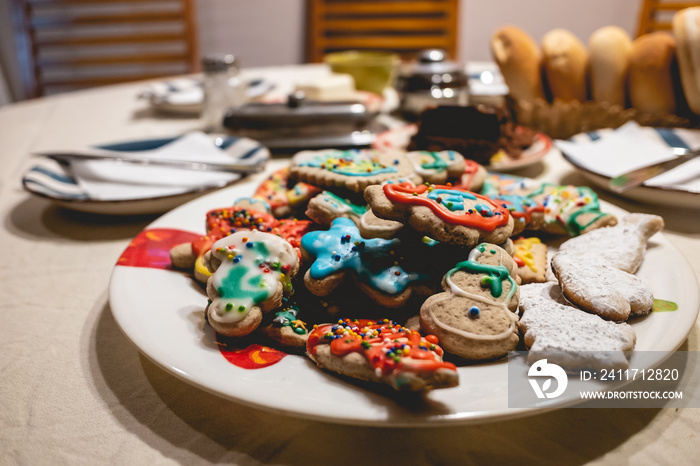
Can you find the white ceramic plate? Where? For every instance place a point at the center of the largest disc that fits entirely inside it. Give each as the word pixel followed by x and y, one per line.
pixel 400 136
pixel 54 181
pixel 161 312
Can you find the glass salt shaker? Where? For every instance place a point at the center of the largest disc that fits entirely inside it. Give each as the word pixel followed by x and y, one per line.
pixel 223 89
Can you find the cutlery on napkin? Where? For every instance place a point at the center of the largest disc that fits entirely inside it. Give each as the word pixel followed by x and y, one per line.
pixel 122 175
pixel 631 148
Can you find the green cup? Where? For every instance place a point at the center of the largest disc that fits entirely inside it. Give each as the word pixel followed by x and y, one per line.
pixel 372 71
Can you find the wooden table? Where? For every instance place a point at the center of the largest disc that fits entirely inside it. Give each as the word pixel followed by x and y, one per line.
pixel 73 389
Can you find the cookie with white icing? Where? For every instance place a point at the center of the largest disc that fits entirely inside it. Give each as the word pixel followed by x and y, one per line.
pixel 351 169
pixel 341 253
pixel 600 289
pixel 382 352
pixel 531 258
pixel 327 206
pixel 444 213
pixel 621 246
pixel 474 316
pixel 251 272
pixel 566 336
pixel 437 167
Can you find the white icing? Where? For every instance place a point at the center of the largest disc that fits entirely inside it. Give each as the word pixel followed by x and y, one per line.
pixel 383 225
pixel 279 251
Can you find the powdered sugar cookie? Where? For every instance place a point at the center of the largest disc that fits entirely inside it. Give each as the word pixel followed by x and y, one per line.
pixel 381 351
pixel 621 246
pixel 443 213
pixel 351 169
pixel 326 207
pixel 474 317
pixel 341 252
pixel 566 336
pixel 437 167
pixel 600 289
pixel 251 273
pixel 531 258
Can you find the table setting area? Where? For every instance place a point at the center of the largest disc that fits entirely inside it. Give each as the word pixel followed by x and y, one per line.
pixel 467 261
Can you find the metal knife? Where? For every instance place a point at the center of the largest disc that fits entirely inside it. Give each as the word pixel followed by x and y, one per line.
pixel 636 177
pixel 242 168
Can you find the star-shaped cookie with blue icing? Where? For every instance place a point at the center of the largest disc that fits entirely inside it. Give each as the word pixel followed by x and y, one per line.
pixel 341 253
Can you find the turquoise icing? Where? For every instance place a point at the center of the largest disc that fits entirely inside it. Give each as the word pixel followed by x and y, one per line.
pixel 342 248
pixel 348 162
pixel 452 199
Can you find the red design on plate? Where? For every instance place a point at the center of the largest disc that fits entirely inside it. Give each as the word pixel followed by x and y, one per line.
pixel 151 248
pixel 252 357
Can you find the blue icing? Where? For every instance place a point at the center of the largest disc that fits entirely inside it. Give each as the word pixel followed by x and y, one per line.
pixel 452 199
pixel 484 210
pixel 254 201
pixel 348 162
pixel 342 248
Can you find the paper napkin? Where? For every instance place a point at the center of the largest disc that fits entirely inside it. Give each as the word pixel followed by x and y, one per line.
pixel 108 180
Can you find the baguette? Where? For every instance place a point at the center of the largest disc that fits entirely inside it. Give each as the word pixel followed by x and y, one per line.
pixel 686 30
pixel 565 65
pixel 651 70
pixel 609 51
pixel 519 60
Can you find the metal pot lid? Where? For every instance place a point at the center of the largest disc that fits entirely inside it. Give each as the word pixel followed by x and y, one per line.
pixel 297 112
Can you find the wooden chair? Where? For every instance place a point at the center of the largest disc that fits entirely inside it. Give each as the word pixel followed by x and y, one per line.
pixel 401 26
pixel 655 15
pixel 85 43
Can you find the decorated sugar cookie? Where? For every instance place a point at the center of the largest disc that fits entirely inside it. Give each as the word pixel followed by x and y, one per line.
pixel 473 177
pixel 381 351
pixel 351 169
pixel 327 206
pixel 437 167
pixel 474 316
pixel 284 199
pixel 341 253
pixel 444 213
pixel 251 273
pixel 531 258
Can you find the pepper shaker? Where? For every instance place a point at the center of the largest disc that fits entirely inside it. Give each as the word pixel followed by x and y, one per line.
pixel 223 89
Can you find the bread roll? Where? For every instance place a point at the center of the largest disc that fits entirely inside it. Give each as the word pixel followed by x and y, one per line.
pixel 519 59
pixel 609 55
pixel 686 30
pixel 651 83
pixel 565 65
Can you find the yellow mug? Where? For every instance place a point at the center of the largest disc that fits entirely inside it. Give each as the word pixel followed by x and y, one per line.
pixel 372 71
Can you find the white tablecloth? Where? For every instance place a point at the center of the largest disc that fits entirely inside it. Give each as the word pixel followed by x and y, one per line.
pixel 73 389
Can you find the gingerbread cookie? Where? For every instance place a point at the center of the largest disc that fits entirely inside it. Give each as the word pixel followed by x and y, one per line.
pixel 285 328
pixel 351 169
pixel 572 210
pixel 252 271
pixel 443 213
pixel 566 336
pixel 283 197
pixel 531 258
pixel 621 246
pixel 326 207
pixel 383 352
pixel 372 226
pixel 341 252
pixel 437 167
pixel 600 289
pixel 474 317
pixel 473 177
